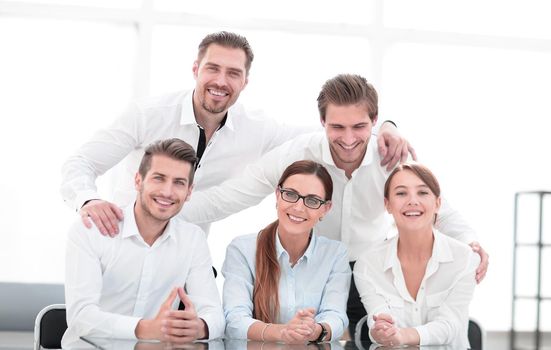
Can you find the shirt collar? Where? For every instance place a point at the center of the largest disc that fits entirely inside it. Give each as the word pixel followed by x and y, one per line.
pixel 130 227
pixel 367 159
pixel 441 251
pixel 307 254
pixel 391 257
pixel 188 114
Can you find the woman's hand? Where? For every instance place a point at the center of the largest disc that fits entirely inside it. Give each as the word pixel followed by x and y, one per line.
pixel 384 331
pixel 301 328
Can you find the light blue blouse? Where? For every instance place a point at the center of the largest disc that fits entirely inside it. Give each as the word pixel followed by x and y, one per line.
pixel 320 279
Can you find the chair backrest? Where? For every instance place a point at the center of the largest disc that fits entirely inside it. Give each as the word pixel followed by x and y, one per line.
pixel 49 327
pixel 476 335
pixel 361 332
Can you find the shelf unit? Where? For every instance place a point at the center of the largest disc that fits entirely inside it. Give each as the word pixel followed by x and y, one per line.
pixel 539 246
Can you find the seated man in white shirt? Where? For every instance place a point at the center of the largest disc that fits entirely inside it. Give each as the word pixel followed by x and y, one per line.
pixel 127 286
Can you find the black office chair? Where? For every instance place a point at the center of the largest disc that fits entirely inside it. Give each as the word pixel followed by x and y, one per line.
pixel 476 335
pixel 49 327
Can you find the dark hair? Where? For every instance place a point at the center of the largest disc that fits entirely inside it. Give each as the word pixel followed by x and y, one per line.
pixel 266 282
pixel 422 172
pixel 348 89
pixel 173 148
pixel 227 39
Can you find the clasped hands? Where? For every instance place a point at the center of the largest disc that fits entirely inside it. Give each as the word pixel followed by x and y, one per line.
pixel 301 328
pixel 384 331
pixel 174 326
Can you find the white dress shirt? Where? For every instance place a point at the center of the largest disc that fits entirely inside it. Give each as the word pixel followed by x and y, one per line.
pixel 440 313
pixel 357 218
pixel 245 136
pixel 320 279
pixel 112 283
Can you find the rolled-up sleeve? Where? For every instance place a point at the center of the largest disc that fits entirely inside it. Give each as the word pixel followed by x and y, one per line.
pixel 238 291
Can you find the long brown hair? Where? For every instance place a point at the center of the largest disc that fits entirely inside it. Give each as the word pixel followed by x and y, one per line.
pixel 266 282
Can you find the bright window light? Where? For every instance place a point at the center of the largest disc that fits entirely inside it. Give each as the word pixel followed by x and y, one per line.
pixel 61 80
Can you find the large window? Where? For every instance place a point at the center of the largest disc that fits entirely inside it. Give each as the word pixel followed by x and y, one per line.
pixel 468 84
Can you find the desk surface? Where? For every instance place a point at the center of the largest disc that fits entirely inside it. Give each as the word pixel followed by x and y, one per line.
pixel 112 344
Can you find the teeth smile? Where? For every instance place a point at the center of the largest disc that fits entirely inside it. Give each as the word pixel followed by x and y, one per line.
pixel 348 147
pixel 218 92
pixel 163 202
pixel 413 213
pixel 295 218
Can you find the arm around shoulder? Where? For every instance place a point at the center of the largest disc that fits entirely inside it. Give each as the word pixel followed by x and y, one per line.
pixel 105 149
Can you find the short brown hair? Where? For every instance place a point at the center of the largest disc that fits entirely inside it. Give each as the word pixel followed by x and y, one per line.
pixel 173 148
pixel 348 89
pixel 227 39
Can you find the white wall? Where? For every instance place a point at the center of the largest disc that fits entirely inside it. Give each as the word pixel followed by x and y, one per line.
pixel 467 82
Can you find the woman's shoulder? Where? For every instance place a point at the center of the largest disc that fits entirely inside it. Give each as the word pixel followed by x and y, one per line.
pixel 460 251
pixel 245 240
pixel 328 244
pixel 374 258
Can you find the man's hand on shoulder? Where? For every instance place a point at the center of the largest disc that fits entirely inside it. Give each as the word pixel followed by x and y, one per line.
pixel 392 146
pixel 484 261
pixel 104 214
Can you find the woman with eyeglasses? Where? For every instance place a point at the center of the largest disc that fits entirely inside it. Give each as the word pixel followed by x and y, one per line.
pixel 286 284
pixel 416 287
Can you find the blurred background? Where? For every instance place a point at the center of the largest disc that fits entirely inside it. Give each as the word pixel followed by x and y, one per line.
pixel 468 83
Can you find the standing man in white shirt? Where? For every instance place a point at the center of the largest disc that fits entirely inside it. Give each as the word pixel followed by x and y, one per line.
pixel 225 135
pixel 129 286
pixel 348 107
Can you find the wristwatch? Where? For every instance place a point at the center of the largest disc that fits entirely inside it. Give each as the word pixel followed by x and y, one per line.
pixel 323 333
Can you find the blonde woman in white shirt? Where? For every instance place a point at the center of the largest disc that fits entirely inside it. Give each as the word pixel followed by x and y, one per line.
pixel 416 287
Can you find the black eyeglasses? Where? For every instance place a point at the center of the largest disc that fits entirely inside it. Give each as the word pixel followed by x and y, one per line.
pixel 293 197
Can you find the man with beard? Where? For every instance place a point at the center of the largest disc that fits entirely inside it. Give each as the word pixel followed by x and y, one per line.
pixel 225 135
pixel 127 287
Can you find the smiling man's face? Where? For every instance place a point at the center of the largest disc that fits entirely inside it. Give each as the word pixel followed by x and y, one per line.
pixel 164 189
pixel 348 129
pixel 220 77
